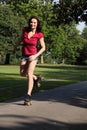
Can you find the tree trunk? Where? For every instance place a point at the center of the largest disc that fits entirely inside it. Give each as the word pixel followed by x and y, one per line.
pixel 42 60
pixel 7 59
pixel 63 61
pixel 0 58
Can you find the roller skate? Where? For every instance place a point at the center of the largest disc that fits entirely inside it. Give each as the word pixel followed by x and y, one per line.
pixel 27 100
pixel 37 81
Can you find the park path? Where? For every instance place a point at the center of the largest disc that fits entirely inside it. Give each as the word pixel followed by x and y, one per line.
pixel 63 108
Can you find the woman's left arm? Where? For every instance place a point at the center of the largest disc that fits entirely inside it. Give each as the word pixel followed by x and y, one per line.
pixel 43 47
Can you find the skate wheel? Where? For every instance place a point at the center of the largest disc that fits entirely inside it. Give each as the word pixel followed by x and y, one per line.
pixel 38 84
pixel 27 103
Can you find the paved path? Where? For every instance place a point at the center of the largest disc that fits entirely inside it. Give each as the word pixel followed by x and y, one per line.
pixel 63 108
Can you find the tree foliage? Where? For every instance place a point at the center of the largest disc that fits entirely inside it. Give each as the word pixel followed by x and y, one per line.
pixel 10 28
pixel 70 10
pixel 64 44
pixel 82 59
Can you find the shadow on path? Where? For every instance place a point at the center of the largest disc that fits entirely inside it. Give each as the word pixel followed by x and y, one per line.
pixel 74 94
pixel 39 123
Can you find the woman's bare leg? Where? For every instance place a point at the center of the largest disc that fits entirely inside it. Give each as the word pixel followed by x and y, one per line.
pixel 30 76
pixel 23 68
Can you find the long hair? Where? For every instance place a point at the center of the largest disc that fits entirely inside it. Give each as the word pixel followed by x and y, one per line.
pixel 38 29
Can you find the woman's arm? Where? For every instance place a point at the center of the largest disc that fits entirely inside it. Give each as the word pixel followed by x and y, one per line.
pixel 43 47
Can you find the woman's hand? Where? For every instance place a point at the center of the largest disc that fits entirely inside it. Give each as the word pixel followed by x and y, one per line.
pixel 31 58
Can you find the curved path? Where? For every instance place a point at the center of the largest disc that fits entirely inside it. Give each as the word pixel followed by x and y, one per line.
pixel 63 108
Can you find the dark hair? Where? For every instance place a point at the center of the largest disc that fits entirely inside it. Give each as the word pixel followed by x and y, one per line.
pixel 38 29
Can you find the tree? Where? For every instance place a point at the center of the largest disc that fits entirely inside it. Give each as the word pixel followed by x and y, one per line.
pixel 84 33
pixel 70 10
pixel 75 43
pixel 63 42
pixel 10 27
pixel 83 54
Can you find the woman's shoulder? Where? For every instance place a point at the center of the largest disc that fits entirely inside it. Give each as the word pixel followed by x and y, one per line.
pixel 40 34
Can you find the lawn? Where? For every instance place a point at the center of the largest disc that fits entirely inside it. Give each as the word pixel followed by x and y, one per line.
pixel 12 85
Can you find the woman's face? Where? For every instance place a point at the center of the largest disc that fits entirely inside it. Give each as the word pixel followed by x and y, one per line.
pixel 33 23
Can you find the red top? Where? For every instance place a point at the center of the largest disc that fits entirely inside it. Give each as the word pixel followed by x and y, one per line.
pixel 29 44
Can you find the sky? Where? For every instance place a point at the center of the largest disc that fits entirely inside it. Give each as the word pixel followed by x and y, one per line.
pixel 81 26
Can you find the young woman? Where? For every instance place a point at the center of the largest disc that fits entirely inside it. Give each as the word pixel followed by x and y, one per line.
pixel 31 36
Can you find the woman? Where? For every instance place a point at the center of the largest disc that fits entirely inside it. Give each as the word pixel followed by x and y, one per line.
pixel 31 36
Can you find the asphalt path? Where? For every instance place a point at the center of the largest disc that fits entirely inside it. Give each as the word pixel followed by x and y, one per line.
pixel 63 108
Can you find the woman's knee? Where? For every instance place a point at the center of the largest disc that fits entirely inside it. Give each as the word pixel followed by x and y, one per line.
pixel 23 69
pixel 29 75
pixel 23 74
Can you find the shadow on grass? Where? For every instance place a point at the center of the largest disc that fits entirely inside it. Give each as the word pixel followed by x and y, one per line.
pixel 9 74
pixel 73 67
pixel 37 123
pixel 13 86
pixel 73 94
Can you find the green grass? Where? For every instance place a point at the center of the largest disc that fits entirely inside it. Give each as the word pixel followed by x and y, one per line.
pixel 12 85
